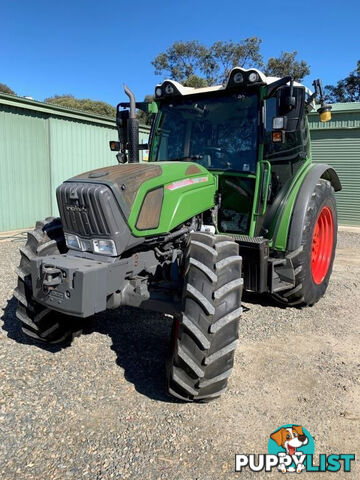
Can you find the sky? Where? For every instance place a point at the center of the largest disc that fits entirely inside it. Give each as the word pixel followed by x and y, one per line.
pixel 89 48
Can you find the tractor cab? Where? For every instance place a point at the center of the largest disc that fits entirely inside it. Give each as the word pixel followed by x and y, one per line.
pixel 251 133
pixel 250 136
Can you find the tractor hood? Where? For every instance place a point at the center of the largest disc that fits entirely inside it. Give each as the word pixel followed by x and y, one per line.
pixel 150 198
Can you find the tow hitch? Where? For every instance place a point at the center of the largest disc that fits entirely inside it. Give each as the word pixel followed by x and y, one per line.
pixel 52 277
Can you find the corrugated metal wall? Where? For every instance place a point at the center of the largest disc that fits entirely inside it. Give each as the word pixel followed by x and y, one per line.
pixel 341 149
pixel 77 147
pixel 40 147
pixel 24 168
pixel 338 143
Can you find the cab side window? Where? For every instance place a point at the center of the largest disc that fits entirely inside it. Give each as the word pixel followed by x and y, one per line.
pixel 296 144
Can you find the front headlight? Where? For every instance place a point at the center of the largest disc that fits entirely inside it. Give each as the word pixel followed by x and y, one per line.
pixel 98 245
pixel 104 247
pixel 72 241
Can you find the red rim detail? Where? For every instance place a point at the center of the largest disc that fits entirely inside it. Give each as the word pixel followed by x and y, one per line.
pixel 322 245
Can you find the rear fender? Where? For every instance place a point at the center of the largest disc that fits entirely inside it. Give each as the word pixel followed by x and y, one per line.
pixel 288 232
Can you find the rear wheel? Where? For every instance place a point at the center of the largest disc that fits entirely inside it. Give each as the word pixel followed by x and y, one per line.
pixel 206 331
pixel 314 259
pixel 39 322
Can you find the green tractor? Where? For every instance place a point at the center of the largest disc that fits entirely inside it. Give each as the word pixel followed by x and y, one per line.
pixel 229 200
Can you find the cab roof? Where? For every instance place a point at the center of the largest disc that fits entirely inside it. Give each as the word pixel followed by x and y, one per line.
pixel 262 79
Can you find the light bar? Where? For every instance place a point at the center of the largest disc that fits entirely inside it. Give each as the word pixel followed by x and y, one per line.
pixel 100 246
pixel 245 77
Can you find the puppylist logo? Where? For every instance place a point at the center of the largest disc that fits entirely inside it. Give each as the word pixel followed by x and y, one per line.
pixel 291 449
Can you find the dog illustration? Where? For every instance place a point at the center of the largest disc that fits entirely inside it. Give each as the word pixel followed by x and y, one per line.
pixel 290 439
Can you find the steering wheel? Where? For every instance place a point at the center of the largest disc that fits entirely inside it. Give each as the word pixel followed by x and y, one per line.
pixel 218 154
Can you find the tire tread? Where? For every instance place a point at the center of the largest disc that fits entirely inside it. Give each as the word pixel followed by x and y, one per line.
pixel 203 356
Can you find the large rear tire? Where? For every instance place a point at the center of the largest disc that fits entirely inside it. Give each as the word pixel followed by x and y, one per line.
pixel 313 261
pixel 39 322
pixel 206 331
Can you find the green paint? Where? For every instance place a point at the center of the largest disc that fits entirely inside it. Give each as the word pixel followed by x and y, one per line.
pixel 152 107
pixel 180 204
pixel 255 201
pixel 253 219
pixel 265 176
pixel 283 214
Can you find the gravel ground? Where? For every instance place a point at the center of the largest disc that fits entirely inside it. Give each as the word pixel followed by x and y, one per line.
pixel 97 409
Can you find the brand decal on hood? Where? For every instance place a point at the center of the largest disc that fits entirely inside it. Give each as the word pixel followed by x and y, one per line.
pixel 186 182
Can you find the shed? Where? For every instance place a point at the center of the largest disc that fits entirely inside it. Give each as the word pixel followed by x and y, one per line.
pixel 338 143
pixel 41 145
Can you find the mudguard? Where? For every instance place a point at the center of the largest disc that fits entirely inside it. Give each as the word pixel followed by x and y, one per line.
pixel 318 171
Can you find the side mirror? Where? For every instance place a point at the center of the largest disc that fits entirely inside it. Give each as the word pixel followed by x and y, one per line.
pixel 287 100
pixel 122 117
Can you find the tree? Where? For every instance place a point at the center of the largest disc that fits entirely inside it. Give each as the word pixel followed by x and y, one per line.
pixel 84 104
pixel 5 89
pixel 346 90
pixel 287 65
pixel 196 65
pixel 183 60
pixel 227 55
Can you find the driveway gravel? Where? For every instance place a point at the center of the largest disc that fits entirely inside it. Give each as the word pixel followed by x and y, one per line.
pixel 97 409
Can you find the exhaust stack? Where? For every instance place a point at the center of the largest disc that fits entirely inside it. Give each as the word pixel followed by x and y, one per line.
pixel 132 128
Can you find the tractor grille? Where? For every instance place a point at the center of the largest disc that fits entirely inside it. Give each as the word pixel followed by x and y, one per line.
pixel 88 209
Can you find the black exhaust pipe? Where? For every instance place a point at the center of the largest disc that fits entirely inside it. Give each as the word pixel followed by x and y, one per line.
pixel 132 128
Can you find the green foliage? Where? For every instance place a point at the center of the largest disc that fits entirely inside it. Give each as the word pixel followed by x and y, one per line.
pixel 5 89
pixel 346 90
pixel 182 60
pixel 227 55
pixel 196 82
pixel 84 104
pixel 287 64
pixel 196 65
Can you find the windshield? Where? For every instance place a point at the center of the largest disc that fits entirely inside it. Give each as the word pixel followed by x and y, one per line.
pixel 220 133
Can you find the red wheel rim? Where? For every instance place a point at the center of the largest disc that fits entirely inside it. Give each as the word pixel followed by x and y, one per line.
pixel 322 245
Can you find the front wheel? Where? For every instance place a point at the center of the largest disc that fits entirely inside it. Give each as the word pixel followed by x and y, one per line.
pixel 313 261
pixel 38 322
pixel 205 333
